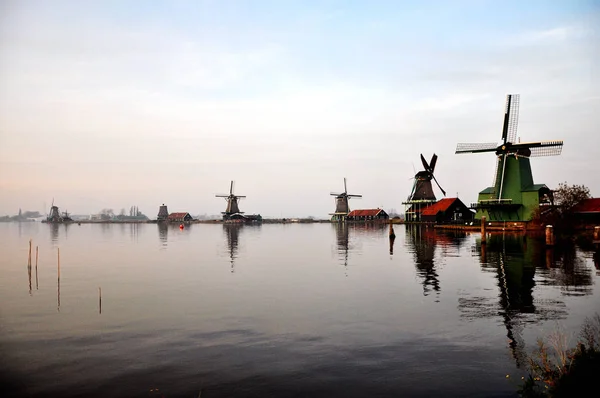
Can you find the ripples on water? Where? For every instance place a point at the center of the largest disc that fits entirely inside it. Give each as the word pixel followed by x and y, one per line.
pixel 279 310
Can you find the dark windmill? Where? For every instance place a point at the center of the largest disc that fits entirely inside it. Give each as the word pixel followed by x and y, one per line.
pixel 232 204
pixel 342 208
pixel 513 195
pixel 422 194
pixel 56 217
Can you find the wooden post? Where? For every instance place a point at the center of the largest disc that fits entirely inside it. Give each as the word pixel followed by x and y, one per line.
pixel 549 235
pixel 392 234
pixel 99 300
pixel 597 234
pixel 58 284
pixel 549 257
pixel 29 258
pixel 36 262
pixel 483 253
pixel 483 235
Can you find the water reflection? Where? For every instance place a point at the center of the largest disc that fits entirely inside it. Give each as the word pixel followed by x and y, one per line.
pixel 564 267
pixel 55 231
pixel 515 259
pixel 342 236
pixel 232 233
pixel 134 231
pixel 163 234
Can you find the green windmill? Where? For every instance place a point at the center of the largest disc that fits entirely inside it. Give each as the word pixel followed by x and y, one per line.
pixel 513 195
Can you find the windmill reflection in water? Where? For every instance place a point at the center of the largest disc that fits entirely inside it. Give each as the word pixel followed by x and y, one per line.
pixel 515 259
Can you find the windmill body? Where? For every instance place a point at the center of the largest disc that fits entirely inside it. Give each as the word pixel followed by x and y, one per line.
pixel 342 207
pixel 422 195
pixel 513 196
pixel 232 208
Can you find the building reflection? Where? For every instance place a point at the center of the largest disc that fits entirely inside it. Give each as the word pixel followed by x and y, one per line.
pixel 423 241
pixel 232 234
pixel 515 260
pixel 350 234
pixel 55 231
pixel 163 234
pixel 342 238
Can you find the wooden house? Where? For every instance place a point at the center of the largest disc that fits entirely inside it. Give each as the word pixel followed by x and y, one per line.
pixel 367 215
pixel 179 217
pixel 447 210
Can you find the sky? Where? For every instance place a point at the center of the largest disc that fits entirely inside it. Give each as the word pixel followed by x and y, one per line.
pixel 109 104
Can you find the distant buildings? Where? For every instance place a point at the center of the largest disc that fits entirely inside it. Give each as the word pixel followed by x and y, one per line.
pixel 179 217
pixel 367 215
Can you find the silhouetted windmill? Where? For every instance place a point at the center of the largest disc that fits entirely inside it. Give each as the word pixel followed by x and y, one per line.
pixel 232 203
pixel 513 196
pixel 342 208
pixel 422 194
pixel 422 188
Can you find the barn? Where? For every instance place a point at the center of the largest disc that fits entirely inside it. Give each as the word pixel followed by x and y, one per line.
pixel 588 211
pixel 179 217
pixel 367 215
pixel 447 210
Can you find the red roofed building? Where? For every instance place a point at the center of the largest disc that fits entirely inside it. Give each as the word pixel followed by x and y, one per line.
pixel 588 210
pixel 179 217
pixel 367 215
pixel 447 210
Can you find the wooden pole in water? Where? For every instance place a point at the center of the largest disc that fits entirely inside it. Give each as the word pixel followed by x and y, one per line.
pixel 29 259
pixel 483 237
pixel 392 234
pixel 549 235
pixel 549 257
pixel 58 283
pixel 99 300
pixel 36 262
pixel 597 233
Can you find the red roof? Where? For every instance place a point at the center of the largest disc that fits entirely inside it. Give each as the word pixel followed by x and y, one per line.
pixel 591 205
pixel 440 205
pixel 177 216
pixel 364 213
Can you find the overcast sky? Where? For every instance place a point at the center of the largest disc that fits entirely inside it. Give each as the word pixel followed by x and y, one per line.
pixel 108 104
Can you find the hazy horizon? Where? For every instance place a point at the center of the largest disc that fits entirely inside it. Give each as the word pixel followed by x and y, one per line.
pixel 114 104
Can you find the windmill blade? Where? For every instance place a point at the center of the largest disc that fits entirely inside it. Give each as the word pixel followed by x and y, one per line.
pixel 345 189
pixel 425 165
pixel 537 149
pixel 438 184
pixel 336 194
pixel 513 117
pixel 222 196
pixel 412 190
pixel 231 188
pixel 433 162
pixel 354 196
pixel 545 151
pixel 476 147
pixel 505 121
pixel 239 196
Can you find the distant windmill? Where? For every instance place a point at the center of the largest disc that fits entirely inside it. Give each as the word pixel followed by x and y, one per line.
pixel 514 196
pixel 232 203
pixel 342 208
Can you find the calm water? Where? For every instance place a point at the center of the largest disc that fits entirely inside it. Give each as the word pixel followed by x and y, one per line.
pixel 278 310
